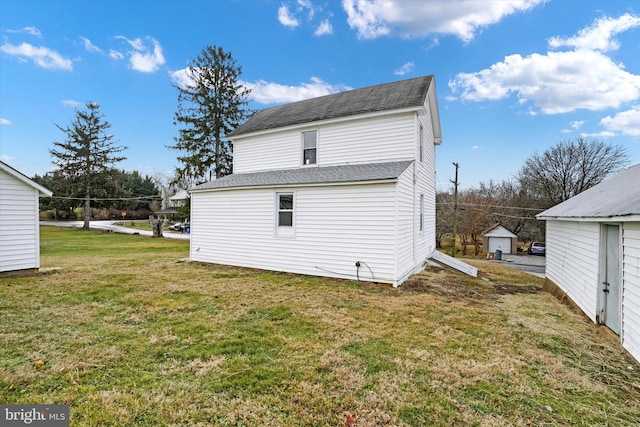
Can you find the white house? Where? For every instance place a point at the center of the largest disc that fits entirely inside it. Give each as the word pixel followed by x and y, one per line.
pixel 19 222
pixel 593 254
pixel 341 185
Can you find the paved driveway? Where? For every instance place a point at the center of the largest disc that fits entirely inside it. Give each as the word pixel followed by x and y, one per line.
pixel 534 264
pixel 110 226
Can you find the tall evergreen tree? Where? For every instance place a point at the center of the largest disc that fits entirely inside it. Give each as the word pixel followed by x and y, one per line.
pixel 211 104
pixel 87 155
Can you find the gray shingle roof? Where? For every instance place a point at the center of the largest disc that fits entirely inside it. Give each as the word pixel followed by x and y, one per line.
pixel 312 175
pixel 615 197
pixel 388 96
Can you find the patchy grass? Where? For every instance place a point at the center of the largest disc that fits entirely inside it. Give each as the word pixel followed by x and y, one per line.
pixel 127 333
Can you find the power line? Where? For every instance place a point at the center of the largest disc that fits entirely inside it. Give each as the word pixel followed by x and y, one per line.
pixel 107 198
pixel 491 206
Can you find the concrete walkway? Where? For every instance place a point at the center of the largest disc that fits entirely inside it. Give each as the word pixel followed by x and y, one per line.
pixel 110 226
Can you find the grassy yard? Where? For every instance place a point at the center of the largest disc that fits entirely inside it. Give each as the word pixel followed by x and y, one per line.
pixel 129 333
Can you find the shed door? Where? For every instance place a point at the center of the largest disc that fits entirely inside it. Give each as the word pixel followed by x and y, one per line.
pixel 502 243
pixel 611 285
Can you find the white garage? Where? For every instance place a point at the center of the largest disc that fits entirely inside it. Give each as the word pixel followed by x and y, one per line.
pixel 499 238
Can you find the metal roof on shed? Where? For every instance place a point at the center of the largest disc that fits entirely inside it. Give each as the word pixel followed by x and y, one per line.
pixel 616 197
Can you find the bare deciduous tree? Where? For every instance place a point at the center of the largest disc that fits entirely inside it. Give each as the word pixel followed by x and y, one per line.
pixel 569 168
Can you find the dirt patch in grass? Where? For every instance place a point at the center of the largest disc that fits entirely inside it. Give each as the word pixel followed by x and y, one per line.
pixel 445 282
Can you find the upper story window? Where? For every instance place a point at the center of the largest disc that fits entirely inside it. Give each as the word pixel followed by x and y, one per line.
pixel 309 147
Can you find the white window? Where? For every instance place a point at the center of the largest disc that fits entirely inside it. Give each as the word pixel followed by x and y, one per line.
pixel 309 147
pixel 284 214
pixel 421 212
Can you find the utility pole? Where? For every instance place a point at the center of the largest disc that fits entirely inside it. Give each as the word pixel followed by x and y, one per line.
pixel 455 211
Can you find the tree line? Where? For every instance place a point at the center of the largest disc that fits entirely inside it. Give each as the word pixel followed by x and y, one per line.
pixel 544 180
pixel 211 103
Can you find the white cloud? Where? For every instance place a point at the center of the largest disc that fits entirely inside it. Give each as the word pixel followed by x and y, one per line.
pixel 275 93
pixel 142 58
pixel 557 82
pixel 264 92
pixel 409 18
pixel 475 147
pixel 6 158
pixel 603 134
pixel 625 123
pixel 28 30
pixel 324 28
pixel 5 122
pixel 577 124
pixel 565 131
pixel 114 54
pixel 180 78
pixel 90 47
pixel 71 103
pixel 41 56
pixel 600 35
pixel 405 69
pixel 286 18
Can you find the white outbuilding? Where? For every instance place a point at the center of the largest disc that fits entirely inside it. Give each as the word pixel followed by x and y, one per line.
pixel 499 238
pixel 19 222
pixel 593 254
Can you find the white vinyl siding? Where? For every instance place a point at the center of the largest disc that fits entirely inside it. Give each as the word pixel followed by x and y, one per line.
pixel 406 256
pixel 279 150
pixel 364 140
pixel 573 259
pixel 19 225
pixel 335 227
pixel 630 335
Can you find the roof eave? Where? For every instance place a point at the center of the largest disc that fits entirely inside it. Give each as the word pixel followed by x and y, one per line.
pixel 44 192
pixel 435 113
pixel 587 218
pixel 294 185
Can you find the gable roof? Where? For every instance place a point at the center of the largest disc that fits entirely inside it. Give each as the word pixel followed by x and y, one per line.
pixel 498 231
pixel 24 179
pixel 410 93
pixel 615 197
pixel 313 175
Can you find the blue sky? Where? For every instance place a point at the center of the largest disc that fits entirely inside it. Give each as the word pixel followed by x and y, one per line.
pixel 512 77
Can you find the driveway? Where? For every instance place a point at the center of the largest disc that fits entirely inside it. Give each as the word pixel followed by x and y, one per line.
pixel 534 264
pixel 110 226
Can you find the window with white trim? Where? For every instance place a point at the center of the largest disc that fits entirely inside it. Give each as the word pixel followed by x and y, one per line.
pixel 309 147
pixel 284 213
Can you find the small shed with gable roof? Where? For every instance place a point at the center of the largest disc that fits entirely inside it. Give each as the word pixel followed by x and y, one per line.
pixel 499 238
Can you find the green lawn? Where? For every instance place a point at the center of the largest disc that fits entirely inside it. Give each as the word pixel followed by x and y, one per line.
pixel 129 333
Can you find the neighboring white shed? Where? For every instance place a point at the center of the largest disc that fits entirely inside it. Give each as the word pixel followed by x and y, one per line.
pixel 19 222
pixel 593 254
pixel 499 238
